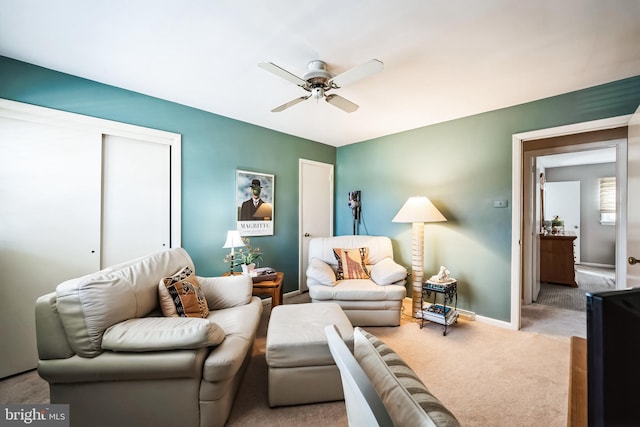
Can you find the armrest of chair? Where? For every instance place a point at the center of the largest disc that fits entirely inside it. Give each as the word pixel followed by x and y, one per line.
pixel 320 272
pixel 50 334
pixel 364 406
pixel 388 272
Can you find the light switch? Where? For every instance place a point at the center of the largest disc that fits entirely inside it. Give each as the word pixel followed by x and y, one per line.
pixel 500 203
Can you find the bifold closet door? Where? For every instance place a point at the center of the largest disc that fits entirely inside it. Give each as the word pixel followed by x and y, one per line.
pixel 136 199
pixel 49 224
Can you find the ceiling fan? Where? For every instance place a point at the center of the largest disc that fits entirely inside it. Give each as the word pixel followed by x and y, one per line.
pixel 318 81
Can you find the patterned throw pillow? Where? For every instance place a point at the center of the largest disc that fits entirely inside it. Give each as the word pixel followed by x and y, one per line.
pixel 352 263
pixel 181 295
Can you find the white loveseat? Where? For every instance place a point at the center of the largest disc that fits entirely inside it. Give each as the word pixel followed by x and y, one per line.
pixel 106 348
pixel 373 301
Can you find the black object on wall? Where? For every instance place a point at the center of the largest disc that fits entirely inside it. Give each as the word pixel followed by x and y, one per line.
pixel 355 205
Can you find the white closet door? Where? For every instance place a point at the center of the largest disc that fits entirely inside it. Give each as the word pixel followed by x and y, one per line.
pixel 49 224
pixel 136 199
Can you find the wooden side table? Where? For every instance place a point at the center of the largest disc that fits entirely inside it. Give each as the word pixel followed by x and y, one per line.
pixel 272 288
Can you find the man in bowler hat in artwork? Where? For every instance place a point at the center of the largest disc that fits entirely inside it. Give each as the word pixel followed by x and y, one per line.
pixel 250 206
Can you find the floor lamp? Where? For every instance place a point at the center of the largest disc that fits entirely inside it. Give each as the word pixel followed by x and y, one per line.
pixel 418 210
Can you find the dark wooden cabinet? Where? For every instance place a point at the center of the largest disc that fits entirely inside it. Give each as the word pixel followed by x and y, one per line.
pixel 557 259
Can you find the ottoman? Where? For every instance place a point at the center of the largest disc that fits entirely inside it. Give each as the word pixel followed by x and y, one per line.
pixel 300 366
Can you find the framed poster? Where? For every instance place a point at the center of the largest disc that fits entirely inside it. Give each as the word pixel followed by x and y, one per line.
pixel 254 203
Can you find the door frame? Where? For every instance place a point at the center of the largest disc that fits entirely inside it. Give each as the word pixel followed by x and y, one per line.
pixel 520 263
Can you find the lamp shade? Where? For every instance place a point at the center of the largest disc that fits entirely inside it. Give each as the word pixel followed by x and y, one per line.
pixel 418 209
pixel 233 239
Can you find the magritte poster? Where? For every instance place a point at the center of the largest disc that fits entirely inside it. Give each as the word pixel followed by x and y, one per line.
pixel 254 203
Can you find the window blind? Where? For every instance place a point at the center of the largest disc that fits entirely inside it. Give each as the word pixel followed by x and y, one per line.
pixel 608 200
pixel 608 194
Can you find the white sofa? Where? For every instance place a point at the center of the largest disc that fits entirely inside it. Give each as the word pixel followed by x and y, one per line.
pixel 106 348
pixel 373 301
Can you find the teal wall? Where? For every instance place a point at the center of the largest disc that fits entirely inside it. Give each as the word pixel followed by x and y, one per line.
pixel 462 166
pixel 213 147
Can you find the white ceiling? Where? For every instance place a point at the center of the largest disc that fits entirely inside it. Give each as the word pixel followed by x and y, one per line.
pixel 443 59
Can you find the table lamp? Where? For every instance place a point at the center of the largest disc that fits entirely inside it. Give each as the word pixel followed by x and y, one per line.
pixel 233 241
pixel 418 210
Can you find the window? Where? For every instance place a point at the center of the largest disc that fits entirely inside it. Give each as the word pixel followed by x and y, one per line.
pixel 608 200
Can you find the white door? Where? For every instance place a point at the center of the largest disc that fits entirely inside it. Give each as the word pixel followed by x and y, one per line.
pixel 633 201
pixel 563 199
pixel 316 209
pixel 51 208
pixel 49 224
pixel 136 199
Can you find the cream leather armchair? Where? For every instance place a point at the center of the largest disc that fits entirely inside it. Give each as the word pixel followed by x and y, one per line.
pixel 372 301
pixel 106 349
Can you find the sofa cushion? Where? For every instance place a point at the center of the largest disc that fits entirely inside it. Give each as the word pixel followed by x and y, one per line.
pixel 90 304
pixel 352 263
pixel 162 333
pixel 387 272
pixel 240 324
pixel 181 295
pixel 405 396
pixel 358 290
pixel 320 272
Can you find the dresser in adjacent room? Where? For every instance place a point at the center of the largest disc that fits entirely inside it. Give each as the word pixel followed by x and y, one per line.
pixel 557 259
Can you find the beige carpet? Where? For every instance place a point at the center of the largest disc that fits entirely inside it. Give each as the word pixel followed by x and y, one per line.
pixel 486 375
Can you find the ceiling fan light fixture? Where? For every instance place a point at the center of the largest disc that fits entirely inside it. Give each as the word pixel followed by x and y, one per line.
pixel 318 81
pixel 317 92
pixel 317 72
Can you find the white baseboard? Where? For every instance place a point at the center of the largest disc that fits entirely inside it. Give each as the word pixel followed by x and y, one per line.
pixel 495 322
pixel 292 293
pixel 267 300
pixel 466 314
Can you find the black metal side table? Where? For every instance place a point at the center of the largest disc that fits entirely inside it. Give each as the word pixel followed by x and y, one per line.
pixel 434 313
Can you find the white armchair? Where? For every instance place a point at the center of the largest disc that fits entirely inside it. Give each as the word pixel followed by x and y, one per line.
pixel 368 284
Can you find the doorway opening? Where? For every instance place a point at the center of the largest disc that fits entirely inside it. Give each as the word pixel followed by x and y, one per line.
pixel 577 255
pixel 526 222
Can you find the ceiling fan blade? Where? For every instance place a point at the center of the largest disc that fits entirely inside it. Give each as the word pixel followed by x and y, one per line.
pixel 342 103
pixel 289 104
pixel 281 72
pixel 357 73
